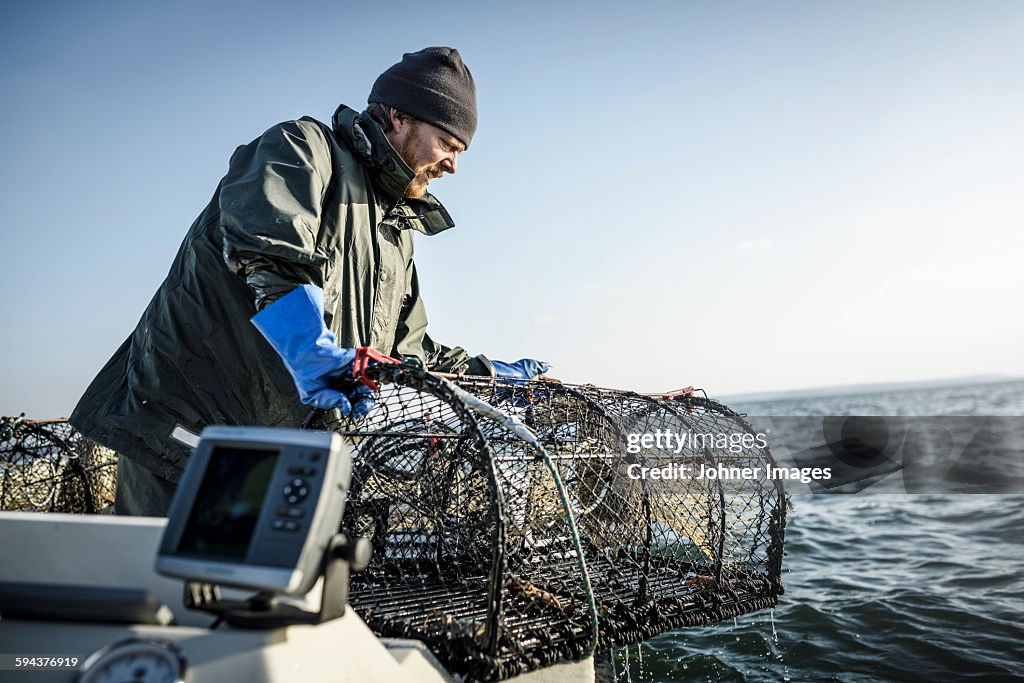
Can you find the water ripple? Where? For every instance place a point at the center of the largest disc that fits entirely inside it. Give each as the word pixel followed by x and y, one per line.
pixel 878 588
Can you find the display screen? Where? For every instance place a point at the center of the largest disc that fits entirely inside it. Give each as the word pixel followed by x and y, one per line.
pixel 230 498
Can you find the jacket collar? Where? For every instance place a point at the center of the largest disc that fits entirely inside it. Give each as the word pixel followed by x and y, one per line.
pixel 389 173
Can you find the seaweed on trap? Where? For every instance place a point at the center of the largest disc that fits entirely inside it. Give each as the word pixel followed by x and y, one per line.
pixel 477 532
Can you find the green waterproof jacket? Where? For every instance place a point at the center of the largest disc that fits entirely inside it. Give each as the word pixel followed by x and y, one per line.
pixel 301 204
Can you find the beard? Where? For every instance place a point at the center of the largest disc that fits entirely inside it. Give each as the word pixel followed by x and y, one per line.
pixel 418 187
pixel 409 151
pixel 424 174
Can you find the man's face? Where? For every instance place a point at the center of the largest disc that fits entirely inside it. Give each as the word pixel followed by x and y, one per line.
pixel 429 151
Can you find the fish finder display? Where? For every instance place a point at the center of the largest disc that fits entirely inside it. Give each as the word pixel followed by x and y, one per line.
pixel 229 502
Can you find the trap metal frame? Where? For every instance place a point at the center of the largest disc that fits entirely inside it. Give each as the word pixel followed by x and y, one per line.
pixel 510 530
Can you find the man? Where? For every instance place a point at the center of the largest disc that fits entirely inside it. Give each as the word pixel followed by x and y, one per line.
pixel 303 254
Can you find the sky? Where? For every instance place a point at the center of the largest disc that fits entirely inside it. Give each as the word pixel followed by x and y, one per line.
pixel 740 196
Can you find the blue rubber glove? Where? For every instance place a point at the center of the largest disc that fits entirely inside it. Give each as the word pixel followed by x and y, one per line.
pixel 524 368
pixel 294 326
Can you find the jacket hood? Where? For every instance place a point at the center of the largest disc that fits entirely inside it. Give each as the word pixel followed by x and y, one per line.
pixel 389 173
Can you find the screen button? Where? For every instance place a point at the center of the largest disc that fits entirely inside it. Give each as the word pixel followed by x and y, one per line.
pixel 295 490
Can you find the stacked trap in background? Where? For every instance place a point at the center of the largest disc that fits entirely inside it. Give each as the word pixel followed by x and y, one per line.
pixel 478 529
pixel 47 466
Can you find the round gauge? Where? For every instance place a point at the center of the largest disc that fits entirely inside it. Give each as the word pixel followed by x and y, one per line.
pixel 136 660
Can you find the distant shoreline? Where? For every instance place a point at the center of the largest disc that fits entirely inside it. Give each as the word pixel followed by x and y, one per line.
pixel 854 389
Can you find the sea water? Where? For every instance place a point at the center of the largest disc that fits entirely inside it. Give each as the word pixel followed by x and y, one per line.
pixel 878 587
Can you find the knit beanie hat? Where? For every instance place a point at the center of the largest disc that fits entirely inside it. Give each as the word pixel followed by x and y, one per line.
pixel 433 85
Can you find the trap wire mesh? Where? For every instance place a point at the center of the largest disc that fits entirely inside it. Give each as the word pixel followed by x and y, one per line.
pixel 47 466
pixel 508 527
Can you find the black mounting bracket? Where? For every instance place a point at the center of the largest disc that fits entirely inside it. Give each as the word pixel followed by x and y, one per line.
pixel 265 610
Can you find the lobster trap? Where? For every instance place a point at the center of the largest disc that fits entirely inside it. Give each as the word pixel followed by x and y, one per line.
pixel 47 466
pixel 518 523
